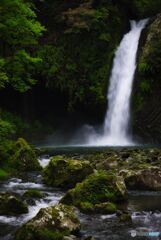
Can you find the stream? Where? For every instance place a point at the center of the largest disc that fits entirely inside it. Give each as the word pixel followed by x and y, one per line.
pixel 145 208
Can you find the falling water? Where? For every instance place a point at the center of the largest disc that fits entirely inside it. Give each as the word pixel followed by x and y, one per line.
pixel 116 124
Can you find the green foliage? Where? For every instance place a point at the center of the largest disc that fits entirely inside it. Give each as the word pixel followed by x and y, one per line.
pixel 147 7
pixel 19 125
pixel 3 75
pixel 143 67
pixel 6 129
pixel 3 174
pixel 23 66
pixel 145 86
pixel 77 57
pixel 142 8
pixel 19 33
pixel 18 25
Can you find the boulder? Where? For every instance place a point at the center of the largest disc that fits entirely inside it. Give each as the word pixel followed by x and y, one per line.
pixel 33 193
pixel 24 157
pixel 146 179
pixel 100 187
pixel 11 204
pixel 65 173
pixel 52 223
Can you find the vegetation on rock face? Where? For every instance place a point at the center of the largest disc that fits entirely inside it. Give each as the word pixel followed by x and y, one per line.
pixel 148 84
pixel 64 172
pixel 81 69
pixel 99 188
pixel 142 8
pixel 50 223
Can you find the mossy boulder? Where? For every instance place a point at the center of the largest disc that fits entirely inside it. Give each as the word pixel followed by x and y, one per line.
pixel 33 193
pixel 11 204
pixel 52 223
pixel 100 187
pixel 146 179
pixel 64 172
pixel 24 157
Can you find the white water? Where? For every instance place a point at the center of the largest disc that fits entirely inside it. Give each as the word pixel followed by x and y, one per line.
pixel 19 186
pixel 116 124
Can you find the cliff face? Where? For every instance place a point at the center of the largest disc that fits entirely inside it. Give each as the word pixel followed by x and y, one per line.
pixel 147 94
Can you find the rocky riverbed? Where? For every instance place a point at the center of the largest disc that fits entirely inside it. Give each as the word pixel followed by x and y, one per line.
pixel 117 192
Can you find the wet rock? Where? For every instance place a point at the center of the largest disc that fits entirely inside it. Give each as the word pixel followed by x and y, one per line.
pixel 31 195
pixel 71 237
pixel 89 238
pixel 64 172
pixel 24 157
pixel 11 204
pixel 146 179
pixel 106 208
pixel 96 191
pixel 124 216
pixel 50 223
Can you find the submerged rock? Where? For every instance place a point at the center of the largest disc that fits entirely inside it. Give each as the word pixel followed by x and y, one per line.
pixel 24 157
pixel 50 223
pixel 11 204
pixel 64 172
pixel 101 190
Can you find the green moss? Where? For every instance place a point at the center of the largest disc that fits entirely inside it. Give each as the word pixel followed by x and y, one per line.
pixel 24 157
pixel 11 204
pixel 97 188
pixel 50 223
pixel 33 193
pixel 65 172
pixel 44 234
pixel 106 208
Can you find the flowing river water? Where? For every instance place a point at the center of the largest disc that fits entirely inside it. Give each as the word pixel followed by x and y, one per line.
pixel 145 209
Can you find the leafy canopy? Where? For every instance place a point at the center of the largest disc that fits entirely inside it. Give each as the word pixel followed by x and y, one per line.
pixel 19 34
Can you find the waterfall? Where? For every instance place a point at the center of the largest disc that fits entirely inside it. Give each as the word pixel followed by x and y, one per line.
pixel 116 124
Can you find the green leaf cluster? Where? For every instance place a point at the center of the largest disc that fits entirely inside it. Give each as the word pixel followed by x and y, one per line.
pixel 19 35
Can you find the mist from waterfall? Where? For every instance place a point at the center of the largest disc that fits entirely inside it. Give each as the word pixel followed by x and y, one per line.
pixel 117 119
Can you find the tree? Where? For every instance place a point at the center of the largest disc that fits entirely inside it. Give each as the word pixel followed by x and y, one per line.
pixel 19 34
